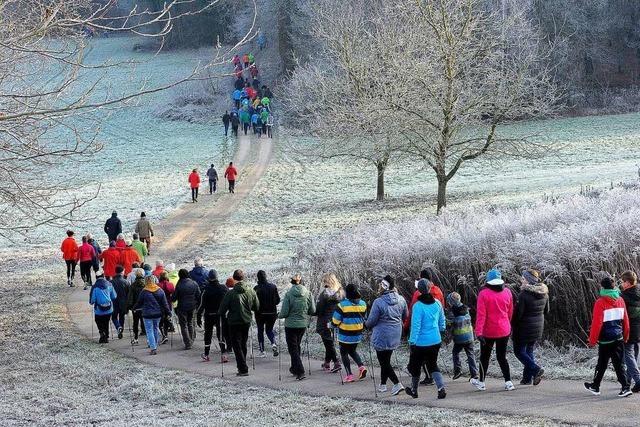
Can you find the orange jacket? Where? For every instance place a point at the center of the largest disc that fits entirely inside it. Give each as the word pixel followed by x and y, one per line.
pixel 128 256
pixel 69 249
pixel 245 58
pixel 194 180
pixel 111 258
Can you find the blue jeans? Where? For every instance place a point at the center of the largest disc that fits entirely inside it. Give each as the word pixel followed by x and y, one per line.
pixel 471 358
pixel 631 352
pixel 153 332
pixel 524 353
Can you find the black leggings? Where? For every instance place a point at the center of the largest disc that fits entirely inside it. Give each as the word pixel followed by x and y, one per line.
pixel 85 271
pixel 194 194
pixel 211 321
pixel 423 356
pixel 71 268
pixel 386 370
pixel 329 351
pixel 137 320
pixel 347 350
pixel 501 354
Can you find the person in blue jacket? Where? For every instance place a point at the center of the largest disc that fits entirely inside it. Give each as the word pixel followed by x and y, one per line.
pixel 199 273
pixel 425 336
pixel 102 298
pixel 153 304
pixel 237 96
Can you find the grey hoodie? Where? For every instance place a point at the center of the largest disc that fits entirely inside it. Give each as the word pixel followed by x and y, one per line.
pixel 387 314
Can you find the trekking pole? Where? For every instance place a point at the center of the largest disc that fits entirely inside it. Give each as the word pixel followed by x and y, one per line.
pixel 171 329
pixel 279 352
pixel 253 359
pixel 308 352
pixel 131 334
pixel 373 377
pixel 219 341
pixel 333 331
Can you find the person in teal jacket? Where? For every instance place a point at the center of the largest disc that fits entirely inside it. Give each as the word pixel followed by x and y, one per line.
pixel 297 308
pixel 425 336
pixel 245 119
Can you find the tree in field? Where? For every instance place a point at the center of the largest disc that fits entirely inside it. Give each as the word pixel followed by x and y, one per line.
pixel 49 90
pixel 340 95
pixel 467 69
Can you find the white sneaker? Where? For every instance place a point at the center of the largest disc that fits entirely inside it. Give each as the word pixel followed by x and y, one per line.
pixel 508 385
pixel 382 388
pixel 261 355
pixel 479 384
pixel 396 389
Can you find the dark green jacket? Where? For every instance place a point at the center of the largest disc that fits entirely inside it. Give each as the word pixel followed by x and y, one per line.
pixel 238 304
pixel 297 307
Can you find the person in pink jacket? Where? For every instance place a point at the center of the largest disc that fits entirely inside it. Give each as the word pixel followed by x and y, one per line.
pixel 86 254
pixel 493 326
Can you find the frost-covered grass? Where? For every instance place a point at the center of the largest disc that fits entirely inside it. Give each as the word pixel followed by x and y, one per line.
pixel 51 376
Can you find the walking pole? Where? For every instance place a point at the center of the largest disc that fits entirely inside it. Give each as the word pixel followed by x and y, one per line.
pixel 373 377
pixel 130 333
pixel 308 353
pixel 253 360
pixel 225 344
pixel 333 331
pixel 279 352
pixel 172 328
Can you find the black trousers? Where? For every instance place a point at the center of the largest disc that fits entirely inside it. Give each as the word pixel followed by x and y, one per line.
pixel 117 317
pixel 71 268
pixel 234 130
pixel 187 326
pixel 166 325
pixel 294 346
pixel 213 184
pixel 386 370
pixel 329 351
pixel 102 322
pixel 85 271
pixel 194 194
pixel 226 129
pixel 615 352
pixel 420 356
pixel 245 127
pixel 265 323
pixel 137 319
pixel 211 321
pixel 501 354
pixel 347 350
pixel 239 334
pixel 232 186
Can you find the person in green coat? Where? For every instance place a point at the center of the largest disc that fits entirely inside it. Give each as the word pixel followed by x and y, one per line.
pixel 297 308
pixel 237 306
pixel 139 246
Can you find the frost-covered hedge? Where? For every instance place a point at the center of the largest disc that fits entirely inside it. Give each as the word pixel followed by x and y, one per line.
pixel 571 241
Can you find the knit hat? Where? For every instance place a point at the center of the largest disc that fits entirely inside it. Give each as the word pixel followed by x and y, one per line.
pixel 494 277
pixel 170 267
pixel 531 276
pixel 424 286
pixel 213 275
pixel 352 292
pixel 606 282
pixel 453 299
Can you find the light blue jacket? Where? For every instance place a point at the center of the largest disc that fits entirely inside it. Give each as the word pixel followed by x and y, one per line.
pixel 387 314
pixel 427 322
pixel 107 292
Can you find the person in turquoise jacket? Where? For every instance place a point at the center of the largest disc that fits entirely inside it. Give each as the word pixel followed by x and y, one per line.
pixel 427 326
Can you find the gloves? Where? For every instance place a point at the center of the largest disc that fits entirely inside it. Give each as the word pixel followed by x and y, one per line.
pixel 481 340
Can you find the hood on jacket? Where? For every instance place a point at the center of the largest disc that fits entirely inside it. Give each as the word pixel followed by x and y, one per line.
pixel 495 288
pixel 390 297
pixel 102 283
pixel 151 287
pixel 426 298
pixel 459 310
pixel 239 288
pixel 298 291
pixel 610 294
pixel 540 290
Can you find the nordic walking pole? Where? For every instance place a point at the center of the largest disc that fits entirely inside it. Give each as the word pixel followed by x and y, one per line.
pixel 130 333
pixel 221 340
pixel 373 377
pixel 172 328
pixel 308 353
pixel 253 359
pixel 279 352
pixel 333 331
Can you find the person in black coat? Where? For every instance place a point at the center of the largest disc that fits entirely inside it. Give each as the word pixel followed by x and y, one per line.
pixel 631 296
pixel 121 286
pixel 210 301
pixel 267 314
pixel 187 296
pixel 528 324
pixel 226 119
pixel 113 227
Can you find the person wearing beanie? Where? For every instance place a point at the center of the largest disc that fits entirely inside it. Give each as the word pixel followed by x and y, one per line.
pixel 121 286
pixel 236 307
pixel 425 337
pixel 128 257
pixel 113 226
pixel 132 298
pixel 631 296
pixel 610 330
pixel 494 311
pixel 267 315
pixel 69 248
pixel 166 322
pixel 172 273
pixel 528 324
pixel 152 303
pixel 212 297
pixel 385 319
pixel 120 242
pixel 348 318
pixel 326 304
pixel 144 229
pixel 102 298
pixel 110 259
pixel 459 322
pixel 159 269
pixel 187 297
pixel 139 246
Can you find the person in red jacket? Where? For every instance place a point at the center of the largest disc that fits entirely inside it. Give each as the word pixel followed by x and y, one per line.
pixel 110 259
pixel 231 174
pixel 194 181
pixel 128 256
pixel 86 254
pixel 69 249
pixel 610 330
pixel 158 271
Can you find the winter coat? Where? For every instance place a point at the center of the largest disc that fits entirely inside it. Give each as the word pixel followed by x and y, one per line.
pixel 238 304
pixel 200 275
pixel 349 319
pixel 610 319
pixel 231 173
pixel 631 297
pixel 102 296
pixel 226 118
pixel 144 228
pixel 157 272
pixel 168 288
pixel 494 312
pixel 212 174
pixel 427 322
pixel 460 323
pixel 435 292
pixel 385 318
pixel 134 292
pixel 237 94
pixel 128 256
pixel 297 307
pixel 187 295
pixel 111 259
pixel 153 302
pixel 528 318
pixel 86 252
pixel 194 180
pixel 268 297
pixel 69 249
pixel 113 227
pixel 173 277
pixel 212 297
pixel 326 305
pixel 121 286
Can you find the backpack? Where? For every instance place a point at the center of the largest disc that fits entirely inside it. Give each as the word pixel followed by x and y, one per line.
pixel 103 299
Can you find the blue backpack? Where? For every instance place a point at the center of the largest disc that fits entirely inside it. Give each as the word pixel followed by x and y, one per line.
pixel 103 299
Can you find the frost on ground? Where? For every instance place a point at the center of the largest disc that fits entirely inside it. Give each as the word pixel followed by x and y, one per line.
pixel 52 376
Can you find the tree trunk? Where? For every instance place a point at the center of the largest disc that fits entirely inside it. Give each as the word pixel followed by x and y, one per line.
pixel 380 190
pixel 442 193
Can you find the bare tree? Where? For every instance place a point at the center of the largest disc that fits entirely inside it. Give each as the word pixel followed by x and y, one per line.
pixel 468 68
pixel 47 85
pixel 340 95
